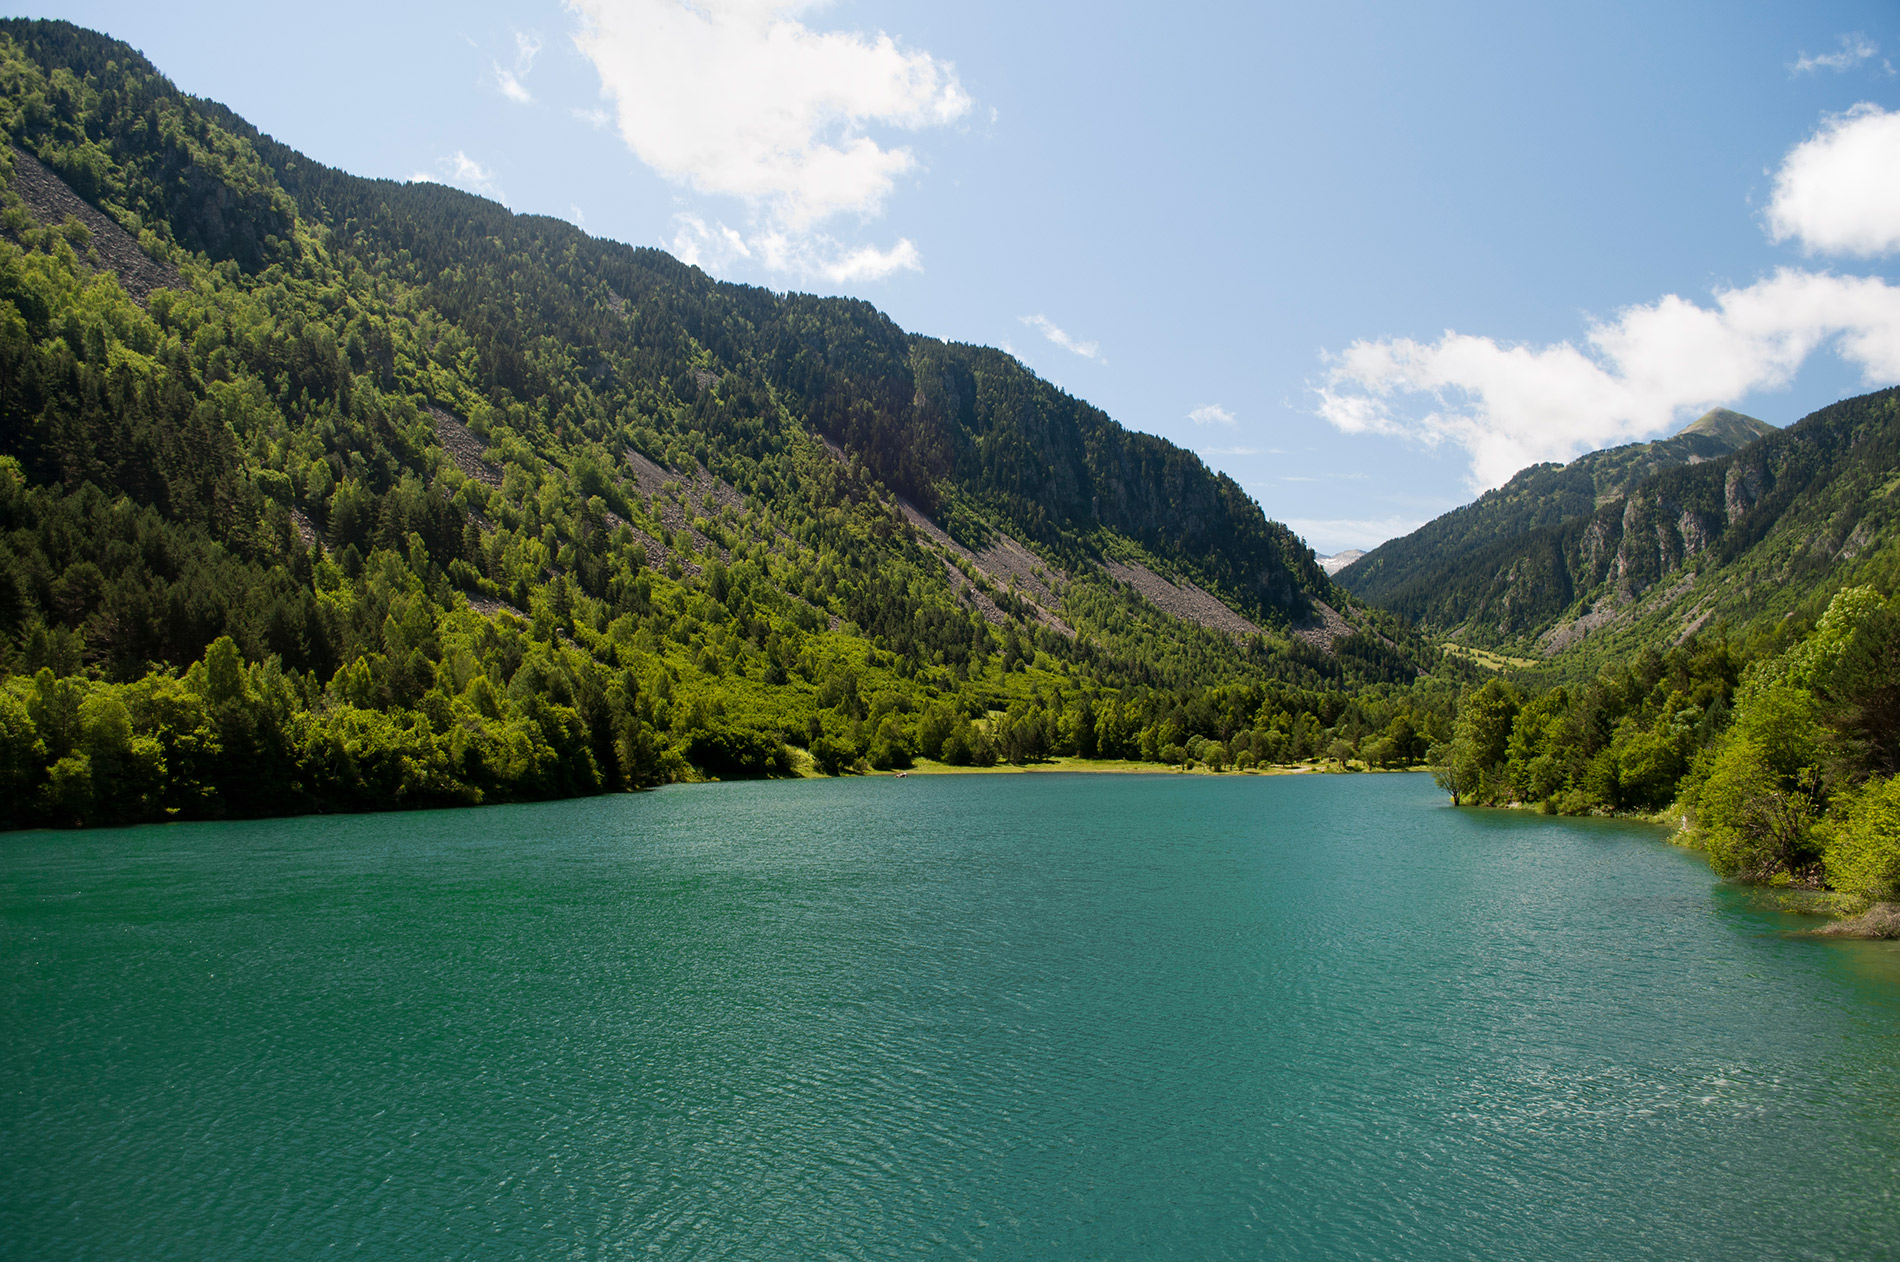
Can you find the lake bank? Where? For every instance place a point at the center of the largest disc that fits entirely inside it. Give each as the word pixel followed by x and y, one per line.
pixel 1107 766
pixel 927 767
pixel 1847 918
pixel 1881 922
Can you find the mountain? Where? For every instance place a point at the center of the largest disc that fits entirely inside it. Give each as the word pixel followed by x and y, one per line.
pixel 1724 648
pixel 1725 428
pixel 1743 540
pixel 319 492
pixel 1340 560
pixel 1399 573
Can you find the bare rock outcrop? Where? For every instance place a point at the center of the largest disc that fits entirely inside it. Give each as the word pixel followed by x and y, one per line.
pixel 1183 600
pixel 1324 627
pixel 1604 614
pixel 464 449
pixel 1742 488
pixel 1004 559
pixel 113 249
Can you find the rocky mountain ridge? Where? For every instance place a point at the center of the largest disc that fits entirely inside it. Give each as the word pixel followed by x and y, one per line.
pixel 1752 534
pixel 1540 496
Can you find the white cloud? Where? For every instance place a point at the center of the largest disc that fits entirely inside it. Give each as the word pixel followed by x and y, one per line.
pixel 716 246
pixel 596 119
pixel 466 171
pixel 1654 365
pixel 1211 414
pixel 1854 50
pixel 1329 535
pixel 576 216
pixel 700 244
pixel 740 98
pixel 527 46
pixel 1512 406
pixel 870 263
pixel 1043 325
pixel 511 87
pixel 1839 190
pixel 1235 451
pixel 461 171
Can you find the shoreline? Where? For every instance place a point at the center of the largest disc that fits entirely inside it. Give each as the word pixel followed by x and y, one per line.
pixel 1879 923
pixel 1846 921
pixel 1106 766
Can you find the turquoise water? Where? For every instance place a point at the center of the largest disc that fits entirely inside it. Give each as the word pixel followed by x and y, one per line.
pixel 1051 1017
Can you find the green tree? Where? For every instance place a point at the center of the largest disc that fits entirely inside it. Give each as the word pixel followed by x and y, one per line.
pixel 1473 767
pixel 1861 846
pixel 1751 826
pixel 1863 695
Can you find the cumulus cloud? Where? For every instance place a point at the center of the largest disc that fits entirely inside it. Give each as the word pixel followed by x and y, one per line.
pixel 1855 49
pixel 1838 192
pixel 1044 325
pixel 1653 365
pixel 1512 406
pixel 460 170
pixel 1211 414
pixel 739 98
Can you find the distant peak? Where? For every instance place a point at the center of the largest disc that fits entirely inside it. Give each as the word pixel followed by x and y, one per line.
pixel 1339 560
pixel 1722 423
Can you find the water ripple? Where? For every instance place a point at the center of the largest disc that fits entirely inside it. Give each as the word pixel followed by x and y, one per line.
pixel 1051 1017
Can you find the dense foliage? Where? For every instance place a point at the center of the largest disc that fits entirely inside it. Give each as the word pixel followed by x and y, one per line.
pixel 390 497
pixel 1619 743
pixel 1783 769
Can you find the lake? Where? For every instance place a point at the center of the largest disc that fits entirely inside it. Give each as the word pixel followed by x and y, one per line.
pixel 1042 1016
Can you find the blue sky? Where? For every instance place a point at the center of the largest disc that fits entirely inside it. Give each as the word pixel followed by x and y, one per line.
pixel 1367 258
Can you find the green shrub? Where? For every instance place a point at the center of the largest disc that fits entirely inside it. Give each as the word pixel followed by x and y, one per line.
pixel 833 756
pixel 1861 845
pixel 740 753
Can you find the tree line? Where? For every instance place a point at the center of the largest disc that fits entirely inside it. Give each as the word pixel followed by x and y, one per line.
pixel 1778 757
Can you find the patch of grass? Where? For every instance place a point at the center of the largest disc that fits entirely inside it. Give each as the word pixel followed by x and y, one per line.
pixel 1489 660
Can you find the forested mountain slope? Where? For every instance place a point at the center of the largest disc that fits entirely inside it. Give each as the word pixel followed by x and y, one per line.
pixel 1723 649
pixel 1782 522
pixel 326 492
pixel 1401 571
